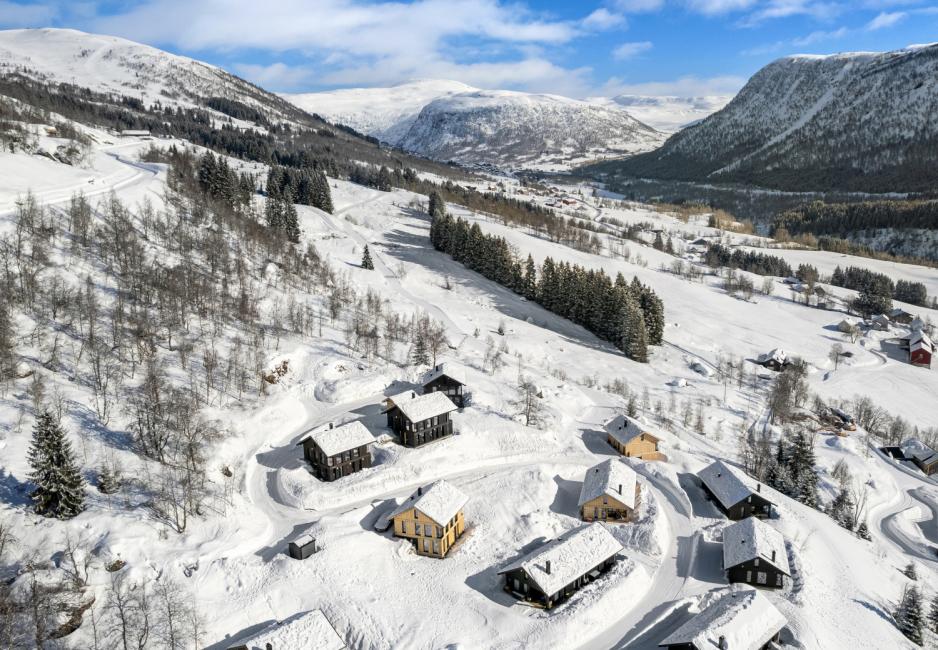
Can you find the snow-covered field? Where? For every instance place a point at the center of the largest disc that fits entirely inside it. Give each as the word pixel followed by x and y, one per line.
pixel 522 482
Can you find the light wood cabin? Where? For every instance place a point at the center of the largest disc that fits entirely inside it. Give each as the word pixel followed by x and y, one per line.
pixel 428 536
pixel 606 508
pixel 628 437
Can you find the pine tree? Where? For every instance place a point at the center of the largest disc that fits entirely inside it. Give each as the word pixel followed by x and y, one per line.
pixel 320 193
pixel 108 480
pixel 418 354
pixel 636 344
pixel 273 212
pixel 863 531
pixel 909 617
pixel 59 486
pixel 290 220
pixel 436 206
pixel 803 472
pixel 933 614
pixel 910 572
pixel 366 260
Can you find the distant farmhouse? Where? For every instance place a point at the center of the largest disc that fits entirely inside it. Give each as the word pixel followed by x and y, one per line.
pixel 419 419
pixel 135 133
pixel 340 451
pixel 630 438
pixel 305 630
pixel 445 379
pixel 431 518
pixel 776 360
pixel 880 322
pixel 921 349
pixel 552 573
pixel 901 316
pixel 742 619
pixel 754 553
pixel 610 492
pixel 737 495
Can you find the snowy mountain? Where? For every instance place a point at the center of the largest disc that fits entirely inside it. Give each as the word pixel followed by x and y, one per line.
pixel 110 64
pixel 669 113
pixel 385 113
pixel 862 121
pixel 512 129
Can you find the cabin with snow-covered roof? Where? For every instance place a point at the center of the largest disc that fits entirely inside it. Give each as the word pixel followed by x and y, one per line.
pixel 431 518
pixel 754 553
pixel 901 316
pixel 632 439
pixel 610 492
pixel 926 460
pixel 419 419
pixel 446 379
pixel 548 575
pixel 736 494
pixel 921 349
pixel 740 619
pixel 304 630
pixel 335 452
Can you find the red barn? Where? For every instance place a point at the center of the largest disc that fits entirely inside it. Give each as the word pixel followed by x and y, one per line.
pixel 921 350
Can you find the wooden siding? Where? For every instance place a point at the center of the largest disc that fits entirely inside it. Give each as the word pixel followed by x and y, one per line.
pixel 752 506
pixel 415 434
pixel 330 468
pixel 644 447
pixel 757 573
pixel 605 508
pixel 520 585
pixel 449 387
pixel 429 537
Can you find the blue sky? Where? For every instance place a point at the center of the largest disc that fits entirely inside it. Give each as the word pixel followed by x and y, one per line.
pixel 684 47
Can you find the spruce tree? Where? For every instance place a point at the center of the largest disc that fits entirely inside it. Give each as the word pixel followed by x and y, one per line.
pixel 933 614
pixel 436 205
pixel 290 220
pixel 59 486
pixel 418 354
pixel 366 260
pixel 321 194
pixel 863 531
pixel 909 617
pixel 636 344
pixel 910 572
pixel 273 212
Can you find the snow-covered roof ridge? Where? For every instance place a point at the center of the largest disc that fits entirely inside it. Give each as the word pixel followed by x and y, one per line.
pixel 742 617
pixel 751 538
pixel 612 478
pixel 446 369
pixel 569 556
pixel 440 501
pixel 302 630
pixel 335 440
pixel 424 407
pixel 625 429
pixel 727 483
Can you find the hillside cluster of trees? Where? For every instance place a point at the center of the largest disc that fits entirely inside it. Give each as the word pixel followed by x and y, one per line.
pixel 880 284
pixel 844 219
pixel 630 315
pixel 720 256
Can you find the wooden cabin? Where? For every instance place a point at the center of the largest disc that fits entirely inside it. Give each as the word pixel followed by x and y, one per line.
pixel 311 629
pixel 740 619
pixel 419 419
pixel 880 323
pixel 926 460
pixel 335 452
pixel 737 495
pixel 776 360
pixel 754 553
pixel 901 316
pixel 302 547
pixel 444 379
pixel 431 518
pixel 632 439
pixel 921 350
pixel 549 575
pixel 610 492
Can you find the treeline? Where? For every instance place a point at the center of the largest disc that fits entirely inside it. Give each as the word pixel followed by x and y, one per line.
pixel 861 279
pixel 237 110
pixel 843 219
pixel 306 186
pixel 630 315
pixel 719 256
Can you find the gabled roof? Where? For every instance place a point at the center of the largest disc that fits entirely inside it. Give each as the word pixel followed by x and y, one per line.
pixel 920 341
pixel 612 478
pixel 749 539
pixel 400 398
pixel 571 555
pixel 445 370
pixel 743 617
pixel 728 484
pixel 439 501
pixel 925 456
pixel 304 630
pixel 778 355
pixel 424 407
pixel 625 429
pixel 334 441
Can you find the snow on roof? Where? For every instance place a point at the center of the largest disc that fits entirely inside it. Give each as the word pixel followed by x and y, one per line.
pixel 749 539
pixel 447 370
pixel 424 407
pixel 625 429
pixel 920 341
pixel 743 617
pixel 304 539
pixel 778 355
pixel 728 484
pixel 400 398
pixel 439 501
pixel 925 456
pixel 570 556
pixel 334 441
pixel 305 630
pixel 880 318
pixel 612 478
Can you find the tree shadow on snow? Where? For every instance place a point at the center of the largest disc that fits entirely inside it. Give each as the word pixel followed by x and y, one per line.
pixel 876 609
pixel 88 422
pixel 12 490
pixel 488 583
pixel 567 497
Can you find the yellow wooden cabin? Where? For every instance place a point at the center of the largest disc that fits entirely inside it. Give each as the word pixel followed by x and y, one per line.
pixel 631 439
pixel 610 492
pixel 431 518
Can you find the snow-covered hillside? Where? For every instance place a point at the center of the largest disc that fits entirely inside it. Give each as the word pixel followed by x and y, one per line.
pixel 859 122
pixel 668 113
pixel 384 113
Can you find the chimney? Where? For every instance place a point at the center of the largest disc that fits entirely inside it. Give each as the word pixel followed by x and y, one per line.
pixel 620 488
pixel 719 474
pixel 547 567
pixel 723 644
pixel 420 491
pixel 413 394
pixel 758 487
pixel 330 425
pixel 773 555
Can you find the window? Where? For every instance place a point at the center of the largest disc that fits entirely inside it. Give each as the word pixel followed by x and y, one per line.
pixel 428 530
pixel 748 576
pixel 762 577
pixel 426 545
pixel 439 532
pixel 403 528
pixel 778 579
pixel 605 501
pixel 756 562
pixel 436 546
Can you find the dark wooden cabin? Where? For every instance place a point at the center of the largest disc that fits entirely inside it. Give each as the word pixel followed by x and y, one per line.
pixel 302 547
pixel 449 382
pixel 335 452
pixel 754 553
pixel 737 495
pixel 419 419
pixel 552 573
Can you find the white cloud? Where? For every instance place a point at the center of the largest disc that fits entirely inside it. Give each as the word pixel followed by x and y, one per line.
pixel 689 86
pixel 639 6
pixel 603 19
pixel 629 50
pixel 820 37
pixel 19 15
pixel 276 75
pixel 716 7
pixel 775 9
pixel 886 19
